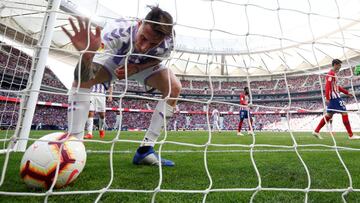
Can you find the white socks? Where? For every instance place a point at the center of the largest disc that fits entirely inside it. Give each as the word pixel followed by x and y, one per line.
pixel 90 125
pixel 101 123
pixel 79 104
pixel 157 123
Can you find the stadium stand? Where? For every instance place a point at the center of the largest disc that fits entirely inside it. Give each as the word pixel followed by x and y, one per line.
pixel 268 96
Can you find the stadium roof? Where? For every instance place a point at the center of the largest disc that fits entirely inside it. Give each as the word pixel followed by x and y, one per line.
pixel 228 38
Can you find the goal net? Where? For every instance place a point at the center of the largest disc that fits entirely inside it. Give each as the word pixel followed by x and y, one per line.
pixel 281 50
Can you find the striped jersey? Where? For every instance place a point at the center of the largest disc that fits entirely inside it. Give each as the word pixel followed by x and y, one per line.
pixel 99 88
pixel 332 90
pixel 118 38
pixel 243 101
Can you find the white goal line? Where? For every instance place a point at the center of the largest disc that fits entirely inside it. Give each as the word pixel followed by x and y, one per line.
pixel 224 151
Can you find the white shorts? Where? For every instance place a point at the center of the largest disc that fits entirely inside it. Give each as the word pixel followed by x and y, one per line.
pixel 97 103
pixel 144 75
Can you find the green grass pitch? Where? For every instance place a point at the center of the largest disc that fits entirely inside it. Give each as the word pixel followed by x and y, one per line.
pixel 229 167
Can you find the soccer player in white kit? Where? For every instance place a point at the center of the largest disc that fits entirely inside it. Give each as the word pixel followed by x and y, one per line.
pixel 97 104
pixel 215 117
pixel 120 38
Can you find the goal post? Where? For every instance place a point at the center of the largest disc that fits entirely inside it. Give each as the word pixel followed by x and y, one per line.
pixel 31 93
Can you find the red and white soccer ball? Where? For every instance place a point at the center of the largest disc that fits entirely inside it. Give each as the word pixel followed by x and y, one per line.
pixel 38 165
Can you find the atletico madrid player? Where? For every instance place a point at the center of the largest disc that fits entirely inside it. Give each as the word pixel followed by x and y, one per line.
pixel 334 102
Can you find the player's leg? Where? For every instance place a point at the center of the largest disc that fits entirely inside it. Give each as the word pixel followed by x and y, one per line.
pixel 118 119
pixel 213 125
pixel 217 125
pixel 79 98
pixel 239 127
pixel 90 125
pixel 346 122
pixel 78 110
pixel 101 108
pixel 321 124
pixel 333 105
pixel 102 124
pixel 242 117
pixel 90 120
pixel 331 124
pixel 340 105
pixel 166 82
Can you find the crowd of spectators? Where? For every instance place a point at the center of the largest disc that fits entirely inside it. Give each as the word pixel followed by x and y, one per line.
pixel 268 95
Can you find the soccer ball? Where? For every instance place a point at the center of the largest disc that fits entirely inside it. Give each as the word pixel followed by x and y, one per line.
pixel 38 165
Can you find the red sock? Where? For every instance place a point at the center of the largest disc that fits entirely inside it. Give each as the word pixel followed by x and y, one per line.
pixel 240 125
pixel 346 122
pixel 322 123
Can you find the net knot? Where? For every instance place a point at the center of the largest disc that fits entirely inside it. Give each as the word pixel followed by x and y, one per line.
pixel 350 189
pixel 49 192
pixel 157 190
pixel 207 191
pixel 103 190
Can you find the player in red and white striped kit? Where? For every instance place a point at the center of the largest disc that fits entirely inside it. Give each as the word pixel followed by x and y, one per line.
pixel 244 113
pixel 334 102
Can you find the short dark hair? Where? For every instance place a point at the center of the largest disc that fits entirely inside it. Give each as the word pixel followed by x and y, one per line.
pixel 336 61
pixel 158 15
pixel 246 88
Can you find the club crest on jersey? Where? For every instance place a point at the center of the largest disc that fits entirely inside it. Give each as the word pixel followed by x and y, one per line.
pixel 101 48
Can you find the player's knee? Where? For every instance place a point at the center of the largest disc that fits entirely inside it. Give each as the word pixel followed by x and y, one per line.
pixel 175 89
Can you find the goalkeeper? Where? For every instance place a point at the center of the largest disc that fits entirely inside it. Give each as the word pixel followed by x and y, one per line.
pixel 118 39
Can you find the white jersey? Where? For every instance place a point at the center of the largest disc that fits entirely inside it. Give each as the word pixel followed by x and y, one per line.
pixel 215 114
pixel 98 102
pixel 118 40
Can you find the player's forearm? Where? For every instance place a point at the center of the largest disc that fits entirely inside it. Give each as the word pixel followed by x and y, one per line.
pixel 87 58
pixel 82 71
pixel 343 90
pixel 110 91
pixel 90 75
pixel 327 90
